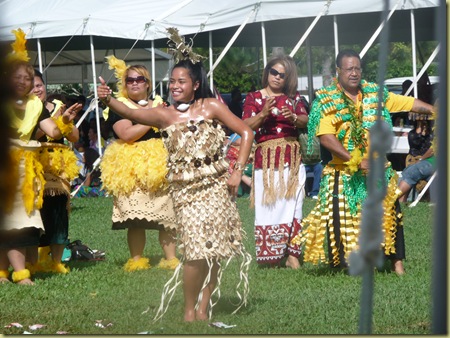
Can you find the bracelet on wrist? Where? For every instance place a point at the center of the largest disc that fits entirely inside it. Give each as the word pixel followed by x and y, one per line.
pixel 239 167
pixel 106 99
pixel 295 118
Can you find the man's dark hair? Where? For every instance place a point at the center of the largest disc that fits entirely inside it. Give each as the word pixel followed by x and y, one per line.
pixel 346 53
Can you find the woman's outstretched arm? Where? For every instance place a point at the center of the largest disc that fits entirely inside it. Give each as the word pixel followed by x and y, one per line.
pixel 150 117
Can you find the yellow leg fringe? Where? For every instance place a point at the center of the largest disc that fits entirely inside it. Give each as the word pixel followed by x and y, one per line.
pixel 141 264
pixel 44 253
pixel 170 264
pixel 4 274
pixel 59 268
pixel 18 276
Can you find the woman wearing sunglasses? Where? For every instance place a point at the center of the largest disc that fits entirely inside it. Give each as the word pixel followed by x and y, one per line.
pixel 275 112
pixel 133 170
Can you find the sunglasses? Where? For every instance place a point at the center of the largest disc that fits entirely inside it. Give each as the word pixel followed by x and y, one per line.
pixel 139 79
pixel 274 72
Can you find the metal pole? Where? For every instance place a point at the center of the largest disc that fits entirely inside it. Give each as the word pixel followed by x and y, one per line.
pixel 440 231
pixel 211 78
pixel 235 36
pixel 369 254
pixel 310 72
pixel 39 54
pixel 263 38
pixel 305 35
pixel 377 32
pixel 413 48
pixel 97 114
pixel 424 68
pixel 153 68
pixel 336 36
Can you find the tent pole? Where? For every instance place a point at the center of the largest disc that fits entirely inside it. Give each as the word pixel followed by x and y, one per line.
pixel 153 68
pixel 424 68
pixel 263 38
pixel 336 36
pixel 39 54
pixel 97 114
pixel 311 26
pixel 439 285
pixel 211 78
pixel 377 32
pixel 230 43
pixel 305 35
pixel 310 72
pixel 413 47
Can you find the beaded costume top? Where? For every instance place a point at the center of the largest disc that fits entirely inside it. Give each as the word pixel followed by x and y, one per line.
pixel 195 150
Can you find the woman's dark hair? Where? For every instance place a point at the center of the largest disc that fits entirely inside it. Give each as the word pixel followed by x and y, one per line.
pixel 57 96
pixel 291 77
pixel 90 155
pixel 197 74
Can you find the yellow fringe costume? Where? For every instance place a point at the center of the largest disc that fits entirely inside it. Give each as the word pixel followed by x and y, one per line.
pixel 343 185
pixel 135 175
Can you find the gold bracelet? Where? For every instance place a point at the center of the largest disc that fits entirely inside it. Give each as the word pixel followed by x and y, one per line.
pixel 106 99
pixel 295 118
pixel 238 166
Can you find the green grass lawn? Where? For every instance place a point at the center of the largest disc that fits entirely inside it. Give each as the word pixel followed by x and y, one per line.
pixel 311 300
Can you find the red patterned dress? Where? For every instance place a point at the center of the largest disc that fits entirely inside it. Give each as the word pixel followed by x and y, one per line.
pixel 278 186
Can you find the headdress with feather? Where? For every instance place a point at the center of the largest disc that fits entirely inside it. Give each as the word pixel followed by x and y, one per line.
pixel 179 49
pixel 120 68
pixel 19 50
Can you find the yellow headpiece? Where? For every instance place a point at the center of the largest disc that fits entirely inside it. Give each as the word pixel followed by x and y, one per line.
pixel 120 68
pixel 19 50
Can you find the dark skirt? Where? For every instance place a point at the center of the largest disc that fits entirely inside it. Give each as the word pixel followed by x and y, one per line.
pixel 19 238
pixel 55 217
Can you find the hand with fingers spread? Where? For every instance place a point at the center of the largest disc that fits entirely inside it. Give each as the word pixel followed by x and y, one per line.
pixel 70 113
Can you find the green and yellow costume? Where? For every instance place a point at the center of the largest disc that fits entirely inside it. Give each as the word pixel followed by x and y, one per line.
pixel 343 186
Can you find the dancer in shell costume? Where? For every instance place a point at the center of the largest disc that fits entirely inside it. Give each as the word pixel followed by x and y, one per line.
pixel 203 192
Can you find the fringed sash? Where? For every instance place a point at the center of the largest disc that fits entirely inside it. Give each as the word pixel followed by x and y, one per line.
pixel 268 150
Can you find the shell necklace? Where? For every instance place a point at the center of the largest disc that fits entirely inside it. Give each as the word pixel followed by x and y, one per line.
pixel 182 106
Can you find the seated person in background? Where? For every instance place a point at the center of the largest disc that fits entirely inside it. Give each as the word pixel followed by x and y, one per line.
pixel 311 159
pixel 235 104
pixel 233 143
pixel 91 185
pixel 422 170
pixel 419 139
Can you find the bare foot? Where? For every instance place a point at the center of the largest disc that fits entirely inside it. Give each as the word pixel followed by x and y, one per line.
pixel 4 280
pixel 397 267
pixel 292 262
pixel 200 315
pixel 189 315
pixel 25 281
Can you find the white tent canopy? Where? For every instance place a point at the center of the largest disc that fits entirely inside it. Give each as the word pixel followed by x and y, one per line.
pixel 60 31
pixel 148 20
